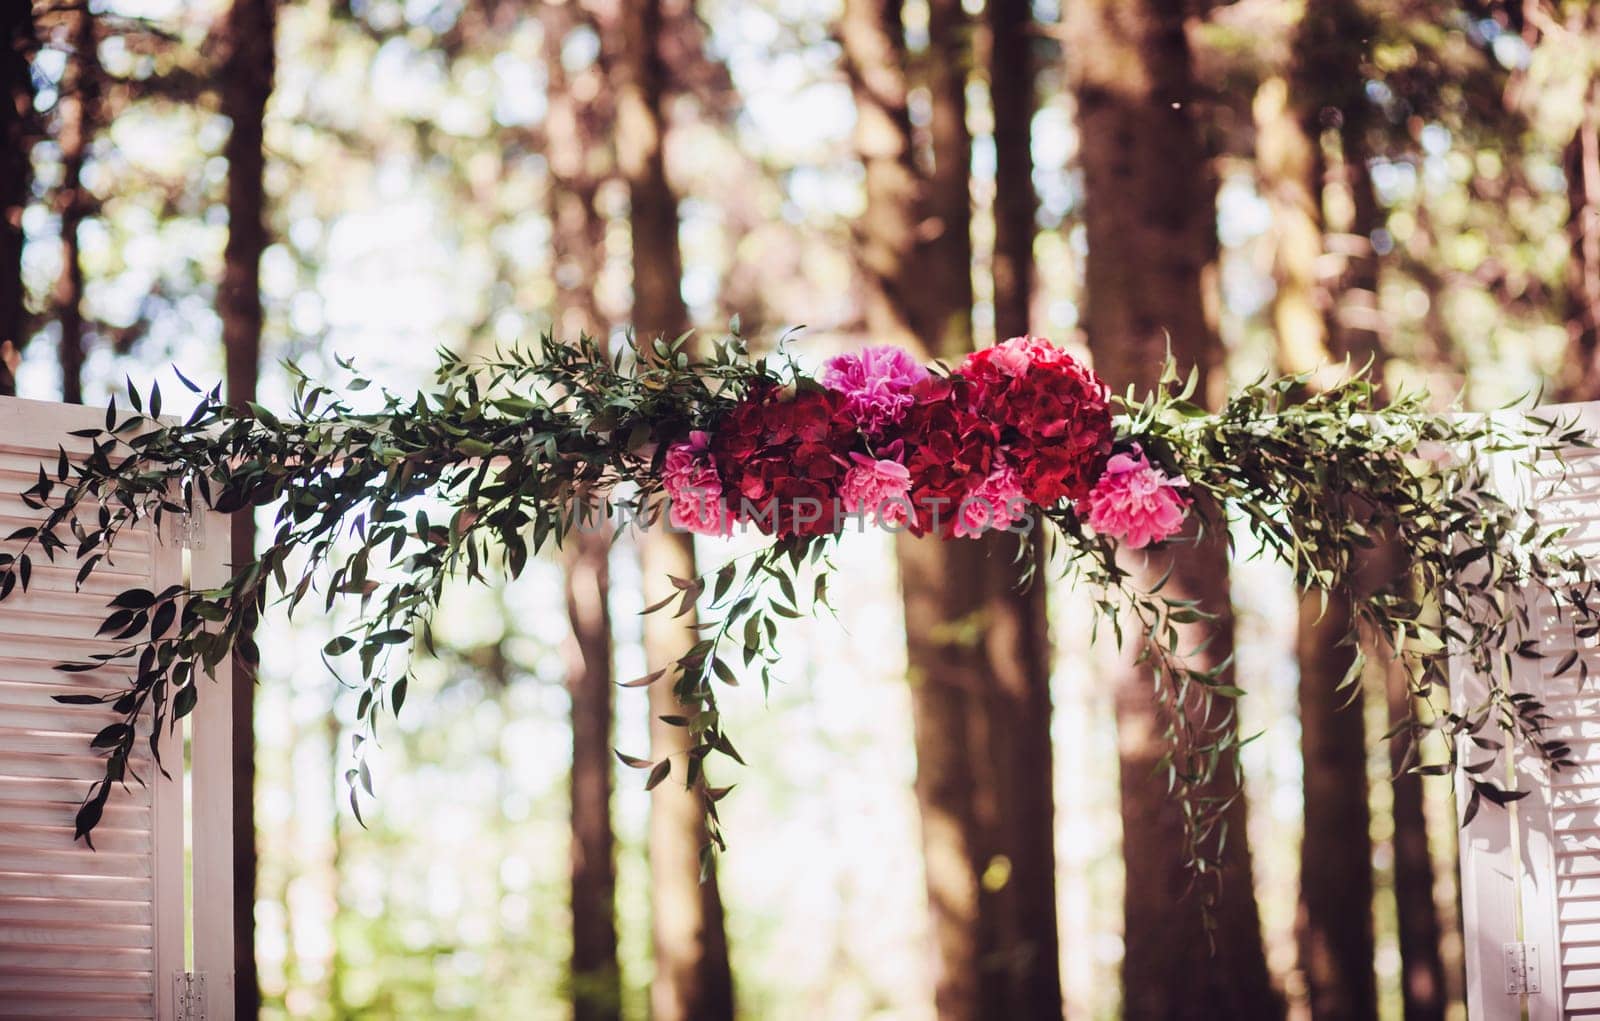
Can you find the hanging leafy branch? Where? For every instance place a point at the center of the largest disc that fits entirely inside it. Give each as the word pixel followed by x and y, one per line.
pixel 1321 480
pixel 503 457
pixel 517 450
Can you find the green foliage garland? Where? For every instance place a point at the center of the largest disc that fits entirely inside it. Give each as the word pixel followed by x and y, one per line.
pixel 527 446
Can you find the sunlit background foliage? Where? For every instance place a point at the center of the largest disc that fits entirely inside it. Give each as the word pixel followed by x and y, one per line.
pixel 407 172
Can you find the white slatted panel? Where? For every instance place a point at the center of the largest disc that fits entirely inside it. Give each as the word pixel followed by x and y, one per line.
pixel 1571 497
pixel 1539 862
pixel 83 934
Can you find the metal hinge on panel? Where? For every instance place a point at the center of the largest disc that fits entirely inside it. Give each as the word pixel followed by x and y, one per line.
pixel 1522 968
pixel 189 995
pixel 186 530
pixel 189 530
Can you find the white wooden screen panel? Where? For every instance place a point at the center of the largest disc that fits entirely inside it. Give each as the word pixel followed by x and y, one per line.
pixel 1572 498
pixel 82 932
pixel 1530 874
pixel 90 933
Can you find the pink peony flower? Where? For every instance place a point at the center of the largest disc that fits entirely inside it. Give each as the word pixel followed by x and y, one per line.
pixel 878 488
pixel 694 489
pixel 876 384
pixel 1137 502
pixel 995 503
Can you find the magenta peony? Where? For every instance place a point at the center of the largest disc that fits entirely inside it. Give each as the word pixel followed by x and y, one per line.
pixel 694 488
pixel 879 488
pixel 876 383
pixel 1136 502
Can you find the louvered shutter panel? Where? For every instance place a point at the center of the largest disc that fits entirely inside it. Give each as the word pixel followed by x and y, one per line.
pixel 1530 873
pixel 94 933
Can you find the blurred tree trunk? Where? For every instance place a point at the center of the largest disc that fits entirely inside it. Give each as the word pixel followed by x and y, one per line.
pixel 17 43
pixel 1321 322
pixel 596 976
pixel 1152 238
pixel 977 649
pixel 1583 262
pixel 1333 925
pixel 247 42
pixel 339 968
pixel 1016 205
pixel 1358 336
pixel 79 110
pixel 692 979
pixel 1422 980
pixel 1026 787
pixel 576 131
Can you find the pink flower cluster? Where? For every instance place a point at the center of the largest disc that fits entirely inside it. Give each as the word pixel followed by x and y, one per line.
pixel 878 488
pixel 1136 502
pixel 694 489
pixel 1017 426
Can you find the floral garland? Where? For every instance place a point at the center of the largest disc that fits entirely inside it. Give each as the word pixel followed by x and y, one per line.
pixel 1016 427
pixel 527 446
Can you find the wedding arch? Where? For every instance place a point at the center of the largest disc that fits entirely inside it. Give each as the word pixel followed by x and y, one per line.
pixel 505 456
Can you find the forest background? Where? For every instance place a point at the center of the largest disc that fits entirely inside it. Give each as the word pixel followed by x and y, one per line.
pixel 944 797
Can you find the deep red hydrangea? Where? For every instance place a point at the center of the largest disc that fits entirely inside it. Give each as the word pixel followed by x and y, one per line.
pixel 782 458
pixel 952 451
pixel 1052 411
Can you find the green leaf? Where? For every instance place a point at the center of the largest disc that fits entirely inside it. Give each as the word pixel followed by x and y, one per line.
pixel 658 774
pixel 645 681
pixel 134 599
pixel 725 672
pixel 112 736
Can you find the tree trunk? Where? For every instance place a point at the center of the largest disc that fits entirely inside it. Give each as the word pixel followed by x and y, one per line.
pixel 1016 205
pixel 596 976
pixel 246 84
pixel 1020 641
pixel 17 43
pixel 692 980
pixel 1583 262
pixel 1422 980
pixel 1290 165
pixel 576 134
pixel 977 649
pixel 79 107
pixel 1151 234
pixel 1334 924
pixel 1358 335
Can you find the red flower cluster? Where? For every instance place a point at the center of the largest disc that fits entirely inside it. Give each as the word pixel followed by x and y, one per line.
pixel 782 459
pixel 951 452
pixel 1052 412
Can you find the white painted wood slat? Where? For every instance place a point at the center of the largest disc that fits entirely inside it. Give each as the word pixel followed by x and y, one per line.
pixel 1531 874
pixel 92 933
